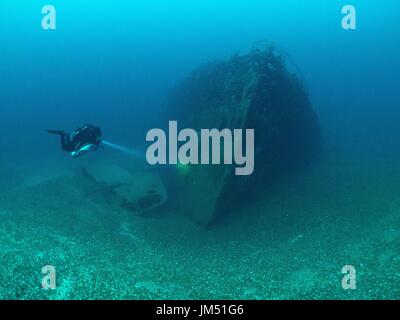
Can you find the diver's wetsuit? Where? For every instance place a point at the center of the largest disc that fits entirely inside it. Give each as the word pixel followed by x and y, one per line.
pixel 84 139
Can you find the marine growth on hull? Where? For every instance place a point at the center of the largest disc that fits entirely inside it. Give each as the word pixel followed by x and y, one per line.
pixel 252 91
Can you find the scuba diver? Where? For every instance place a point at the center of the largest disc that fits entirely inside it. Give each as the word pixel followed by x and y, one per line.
pixel 83 140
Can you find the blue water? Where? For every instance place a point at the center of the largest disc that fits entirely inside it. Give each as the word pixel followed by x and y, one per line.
pixel 112 64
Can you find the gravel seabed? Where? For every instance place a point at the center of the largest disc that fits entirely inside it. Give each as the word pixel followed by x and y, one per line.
pixel 291 244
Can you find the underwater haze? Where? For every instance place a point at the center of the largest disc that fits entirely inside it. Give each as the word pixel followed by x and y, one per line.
pixel 113 64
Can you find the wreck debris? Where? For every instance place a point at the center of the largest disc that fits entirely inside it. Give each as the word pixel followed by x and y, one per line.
pixel 139 192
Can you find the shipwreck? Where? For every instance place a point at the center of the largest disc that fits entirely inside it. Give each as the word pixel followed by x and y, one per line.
pixel 252 91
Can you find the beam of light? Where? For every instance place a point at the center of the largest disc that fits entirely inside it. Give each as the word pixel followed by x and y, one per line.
pixel 129 151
